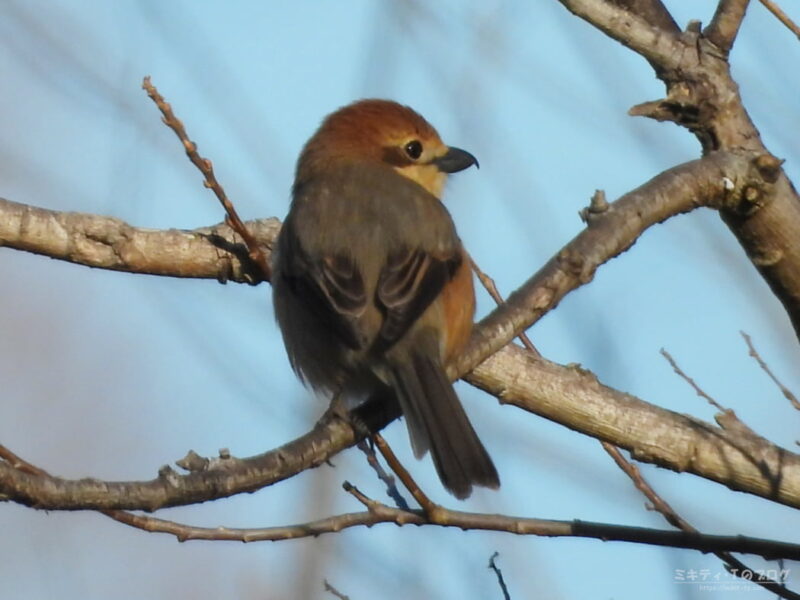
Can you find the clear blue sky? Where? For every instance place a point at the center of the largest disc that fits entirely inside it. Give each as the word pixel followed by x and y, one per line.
pixel 111 375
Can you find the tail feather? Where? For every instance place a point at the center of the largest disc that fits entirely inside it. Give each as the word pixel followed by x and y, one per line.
pixel 437 422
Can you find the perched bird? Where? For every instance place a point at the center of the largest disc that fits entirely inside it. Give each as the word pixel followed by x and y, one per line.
pixel 372 288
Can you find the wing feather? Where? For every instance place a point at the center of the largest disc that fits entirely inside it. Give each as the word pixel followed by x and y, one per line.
pixel 332 288
pixel 408 283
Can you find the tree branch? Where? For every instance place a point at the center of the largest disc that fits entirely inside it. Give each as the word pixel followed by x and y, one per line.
pixel 254 251
pixel 655 43
pixel 652 11
pixel 109 243
pixel 381 513
pixel 787 393
pixel 782 17
pixel 727 453
pixel 725 23
pixel 703 97
pixel 212 479
pixel 717 180
pixel 732 564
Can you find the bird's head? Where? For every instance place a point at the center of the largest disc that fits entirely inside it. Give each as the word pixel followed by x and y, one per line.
pixel 385 132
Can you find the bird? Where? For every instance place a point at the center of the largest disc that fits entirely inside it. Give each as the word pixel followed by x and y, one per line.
pixel 372 287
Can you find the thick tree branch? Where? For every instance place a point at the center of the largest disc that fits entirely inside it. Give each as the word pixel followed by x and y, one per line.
pixel 655 43
pixel 380 513
pixel 652 11
pixel 109 243
pixel 725 23
pixel 717 180
pixel 703 97
pixel 728 453
pixel 218 478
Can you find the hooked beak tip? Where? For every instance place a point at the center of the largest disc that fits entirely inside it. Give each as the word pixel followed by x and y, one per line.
pixel 455 160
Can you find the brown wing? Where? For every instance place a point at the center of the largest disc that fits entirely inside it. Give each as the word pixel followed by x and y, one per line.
pixel 331 288
pixel 408 283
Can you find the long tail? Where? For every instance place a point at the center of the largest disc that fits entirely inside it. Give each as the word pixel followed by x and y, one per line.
pixel 437 422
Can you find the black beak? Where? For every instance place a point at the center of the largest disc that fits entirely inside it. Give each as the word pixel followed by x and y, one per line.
pixel 455 160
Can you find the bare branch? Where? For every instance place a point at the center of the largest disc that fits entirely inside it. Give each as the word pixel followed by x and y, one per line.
pixel 703 97
pixel 499 574
pixel 380 513
pixel 725 418
pixel 657 502
pixel 732 564
pixel 714 181
pixel 221 478
pixel 782 17
pixel 728 453
pixel 490 286
pixel 725 23
pixel 255 252
pixel 428 506
pixel 652 11
pixel 386 478
pixel 698 390
pixel 654 42
pixel 329 588
pixel 787 393
pixel 109 243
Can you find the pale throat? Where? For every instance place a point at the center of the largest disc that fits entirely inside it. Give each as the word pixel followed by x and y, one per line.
pixel 428 176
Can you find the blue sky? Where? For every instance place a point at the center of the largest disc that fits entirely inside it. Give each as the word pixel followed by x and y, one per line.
pixel 111 375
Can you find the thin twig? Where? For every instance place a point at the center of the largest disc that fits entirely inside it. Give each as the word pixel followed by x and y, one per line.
pixel 386 478
pixel 500 581
pixel 490 286
pixel 329 588
pixel 431 508
pixel 782 16
pixel 255 252
pixel 657 502
pixel 727 418
pixel 692 382
pixel 730 562
pixel 787 393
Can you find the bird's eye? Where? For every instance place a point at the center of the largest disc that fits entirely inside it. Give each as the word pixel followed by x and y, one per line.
pixel 413 149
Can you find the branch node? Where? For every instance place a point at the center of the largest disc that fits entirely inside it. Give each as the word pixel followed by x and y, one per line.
pixel 768 166
pixel 193 462
pixel 694 26
pixel 597 206
pixel 168 474
pixel 652 109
